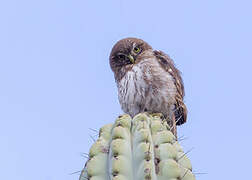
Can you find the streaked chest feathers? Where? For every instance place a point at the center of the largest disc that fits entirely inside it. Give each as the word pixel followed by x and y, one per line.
pixel 147 87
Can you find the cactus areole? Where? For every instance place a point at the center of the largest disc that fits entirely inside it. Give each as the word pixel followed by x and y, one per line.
pixel 142 148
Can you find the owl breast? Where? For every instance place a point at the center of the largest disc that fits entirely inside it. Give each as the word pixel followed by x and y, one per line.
pixel 147 87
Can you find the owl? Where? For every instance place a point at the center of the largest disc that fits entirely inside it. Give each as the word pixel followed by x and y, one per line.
pixel 148 81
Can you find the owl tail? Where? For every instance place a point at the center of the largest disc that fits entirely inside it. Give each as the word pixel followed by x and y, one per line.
pixel 180 113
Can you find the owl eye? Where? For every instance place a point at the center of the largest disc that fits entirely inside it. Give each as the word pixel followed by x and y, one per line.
pixel 121 56
pixel 137 49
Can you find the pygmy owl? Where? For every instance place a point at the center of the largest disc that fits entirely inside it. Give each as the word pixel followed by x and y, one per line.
pixel 147 81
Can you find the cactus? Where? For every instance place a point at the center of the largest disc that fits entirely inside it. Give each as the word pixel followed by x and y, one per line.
pixel 140 149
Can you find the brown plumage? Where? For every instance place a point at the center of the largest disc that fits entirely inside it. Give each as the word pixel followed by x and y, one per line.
pixel 147 80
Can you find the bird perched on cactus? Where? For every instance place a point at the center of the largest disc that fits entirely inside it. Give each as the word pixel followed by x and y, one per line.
pixel 147 81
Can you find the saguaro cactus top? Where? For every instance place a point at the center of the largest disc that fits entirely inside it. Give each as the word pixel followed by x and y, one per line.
pixel 140 149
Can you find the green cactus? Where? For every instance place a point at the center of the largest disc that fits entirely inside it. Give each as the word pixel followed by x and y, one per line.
pixel 140 149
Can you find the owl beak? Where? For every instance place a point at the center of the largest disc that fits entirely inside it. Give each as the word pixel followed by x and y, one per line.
pixel 131 58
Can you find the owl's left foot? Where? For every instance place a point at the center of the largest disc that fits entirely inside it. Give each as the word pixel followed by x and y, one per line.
pixel 160 115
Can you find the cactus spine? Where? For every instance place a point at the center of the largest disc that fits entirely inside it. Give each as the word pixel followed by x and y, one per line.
pixel 140 149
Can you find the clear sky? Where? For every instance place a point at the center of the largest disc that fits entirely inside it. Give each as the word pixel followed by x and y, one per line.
pixel 56 83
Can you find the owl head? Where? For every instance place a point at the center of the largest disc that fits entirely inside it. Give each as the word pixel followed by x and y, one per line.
pixel 125 53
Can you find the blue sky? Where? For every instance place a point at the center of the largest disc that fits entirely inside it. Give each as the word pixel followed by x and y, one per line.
pixel 56 83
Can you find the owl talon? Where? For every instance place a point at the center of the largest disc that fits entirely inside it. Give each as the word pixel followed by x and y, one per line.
pixel 160 115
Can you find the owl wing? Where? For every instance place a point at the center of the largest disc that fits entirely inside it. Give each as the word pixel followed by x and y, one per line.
pixel 167 63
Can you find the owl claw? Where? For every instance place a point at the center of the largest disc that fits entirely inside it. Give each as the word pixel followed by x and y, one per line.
pixel 160 115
